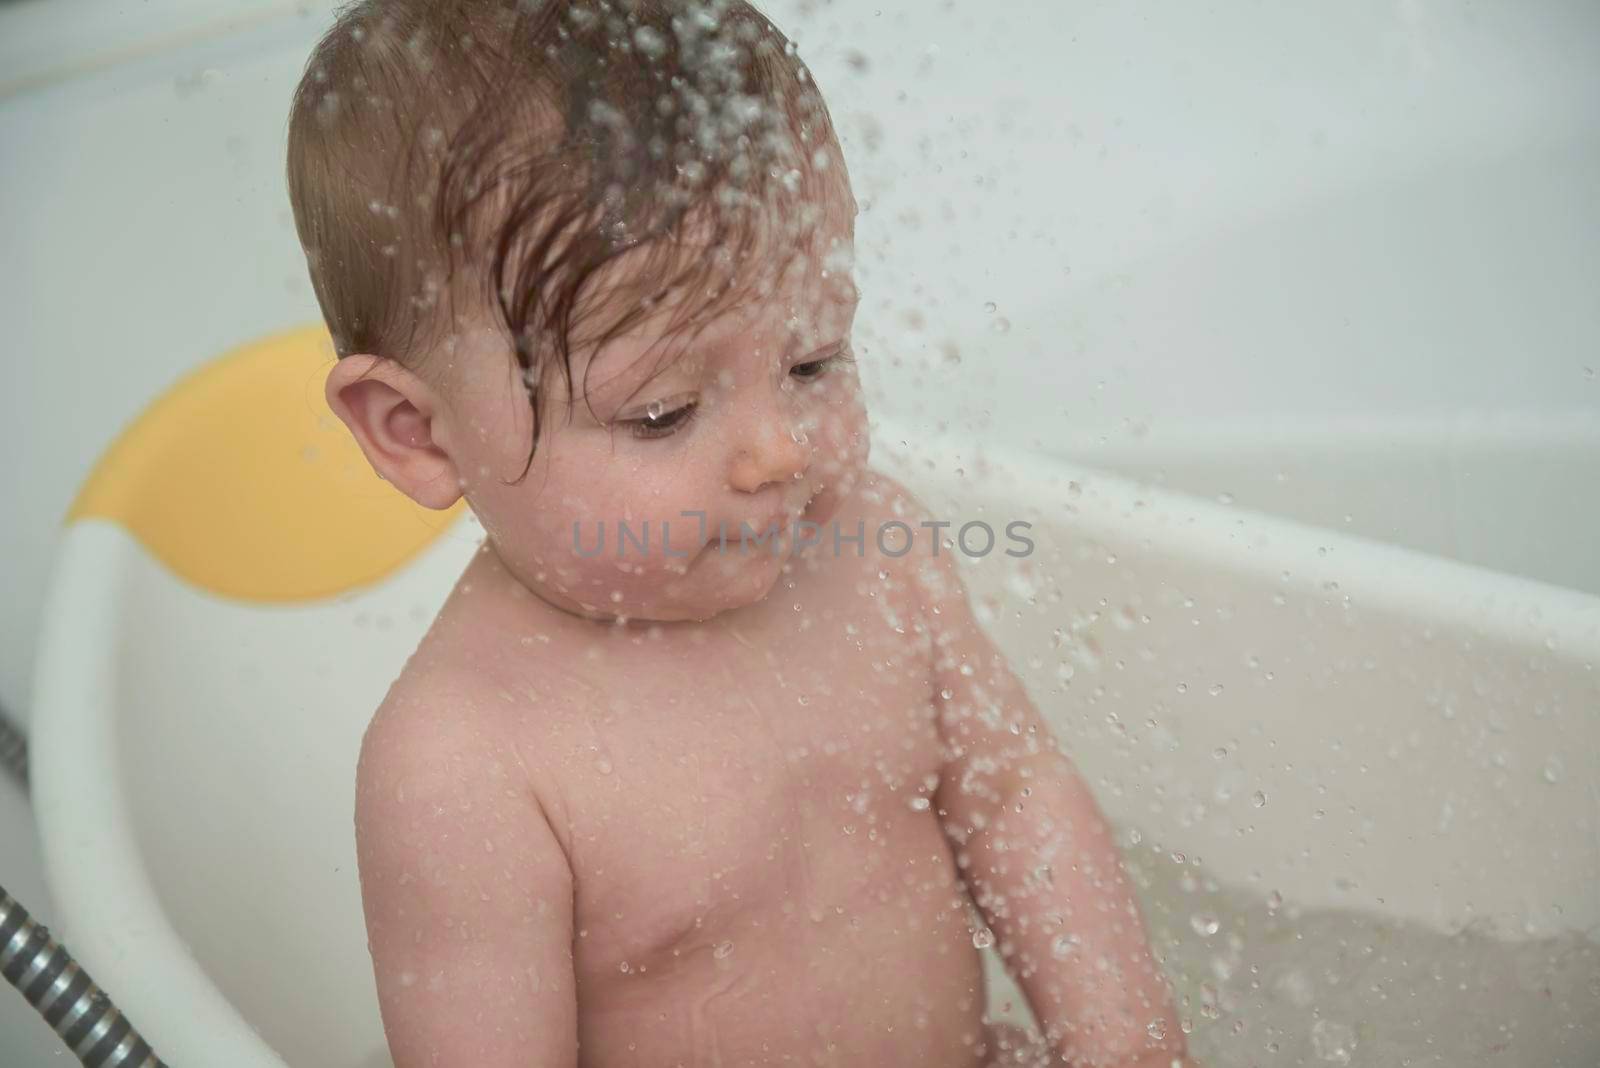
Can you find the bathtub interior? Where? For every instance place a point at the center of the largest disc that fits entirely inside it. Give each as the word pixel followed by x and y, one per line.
pixel 1263 710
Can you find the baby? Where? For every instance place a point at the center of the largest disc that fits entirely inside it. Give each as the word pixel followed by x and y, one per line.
pixel 705 760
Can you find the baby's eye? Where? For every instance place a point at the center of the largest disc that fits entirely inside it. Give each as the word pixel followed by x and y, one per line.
pixel 659 421
pixel 817 368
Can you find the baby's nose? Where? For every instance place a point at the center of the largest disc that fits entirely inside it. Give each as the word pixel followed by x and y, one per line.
pixel 776 451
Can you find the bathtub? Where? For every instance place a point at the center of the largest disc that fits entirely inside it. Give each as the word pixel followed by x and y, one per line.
pixel 1277 324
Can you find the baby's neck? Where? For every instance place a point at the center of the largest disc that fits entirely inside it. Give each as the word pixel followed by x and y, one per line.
pixel 546 614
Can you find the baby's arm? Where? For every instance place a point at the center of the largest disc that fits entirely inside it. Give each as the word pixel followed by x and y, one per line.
pixel 1037 854
pixel 468 899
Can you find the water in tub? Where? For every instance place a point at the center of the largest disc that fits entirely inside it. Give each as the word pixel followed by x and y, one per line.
pixel 1262 982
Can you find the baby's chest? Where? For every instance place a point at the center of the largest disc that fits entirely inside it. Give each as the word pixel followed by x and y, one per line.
pixel 746 799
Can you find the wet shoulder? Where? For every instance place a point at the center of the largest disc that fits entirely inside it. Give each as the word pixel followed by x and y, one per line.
pixel 902 534
pixel 470 694
pixel 904 554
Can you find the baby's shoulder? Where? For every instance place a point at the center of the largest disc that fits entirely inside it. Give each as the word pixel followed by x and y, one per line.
pixel 906 536
pixel 881 497
pixel 445 719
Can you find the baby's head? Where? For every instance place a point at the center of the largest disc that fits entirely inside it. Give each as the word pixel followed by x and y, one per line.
pixel 588 264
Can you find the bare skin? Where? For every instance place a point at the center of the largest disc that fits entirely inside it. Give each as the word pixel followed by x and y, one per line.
pixel 753 879
pixel 748 810
pixel 714 808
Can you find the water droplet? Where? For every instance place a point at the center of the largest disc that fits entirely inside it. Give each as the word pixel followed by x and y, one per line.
pixel 1001 325
pixel 1063 946
pixel 1334 1042
pixel 722 949
pixel 919 804
pixel 1157 1029
pixel 983 938
pixel 649 41
pixel 1205 924
pixel 991 307
pixel 1258 799
pixel 1552 770
pixel 1220 752
pixel 1183 687
pixel 1274 901
pixel 1216 689
pixel 1224 498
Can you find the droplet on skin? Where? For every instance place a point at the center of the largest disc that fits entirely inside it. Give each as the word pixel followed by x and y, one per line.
pixel 722 949
pixel 983 938
pixel 1204 924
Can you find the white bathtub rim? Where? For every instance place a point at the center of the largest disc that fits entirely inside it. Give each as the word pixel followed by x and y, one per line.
pixel 1116 511
pixel 111 912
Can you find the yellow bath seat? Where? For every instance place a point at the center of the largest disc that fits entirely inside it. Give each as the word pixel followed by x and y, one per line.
pixel 242 481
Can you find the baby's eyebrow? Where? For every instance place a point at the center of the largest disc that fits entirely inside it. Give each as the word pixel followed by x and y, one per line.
pixel 634 370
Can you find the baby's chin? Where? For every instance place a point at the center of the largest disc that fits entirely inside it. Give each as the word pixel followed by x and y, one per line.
pixel 720 583
pixel 729 581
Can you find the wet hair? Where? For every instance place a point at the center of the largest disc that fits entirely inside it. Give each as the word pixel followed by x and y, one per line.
pixel 502 153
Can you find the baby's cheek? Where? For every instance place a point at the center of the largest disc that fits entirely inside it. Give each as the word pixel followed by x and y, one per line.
pixel 843 441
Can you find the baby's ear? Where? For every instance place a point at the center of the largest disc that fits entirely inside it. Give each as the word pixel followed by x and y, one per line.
pixel 390 411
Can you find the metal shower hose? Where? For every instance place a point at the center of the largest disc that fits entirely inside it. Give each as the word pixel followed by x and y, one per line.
pixel 45 973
